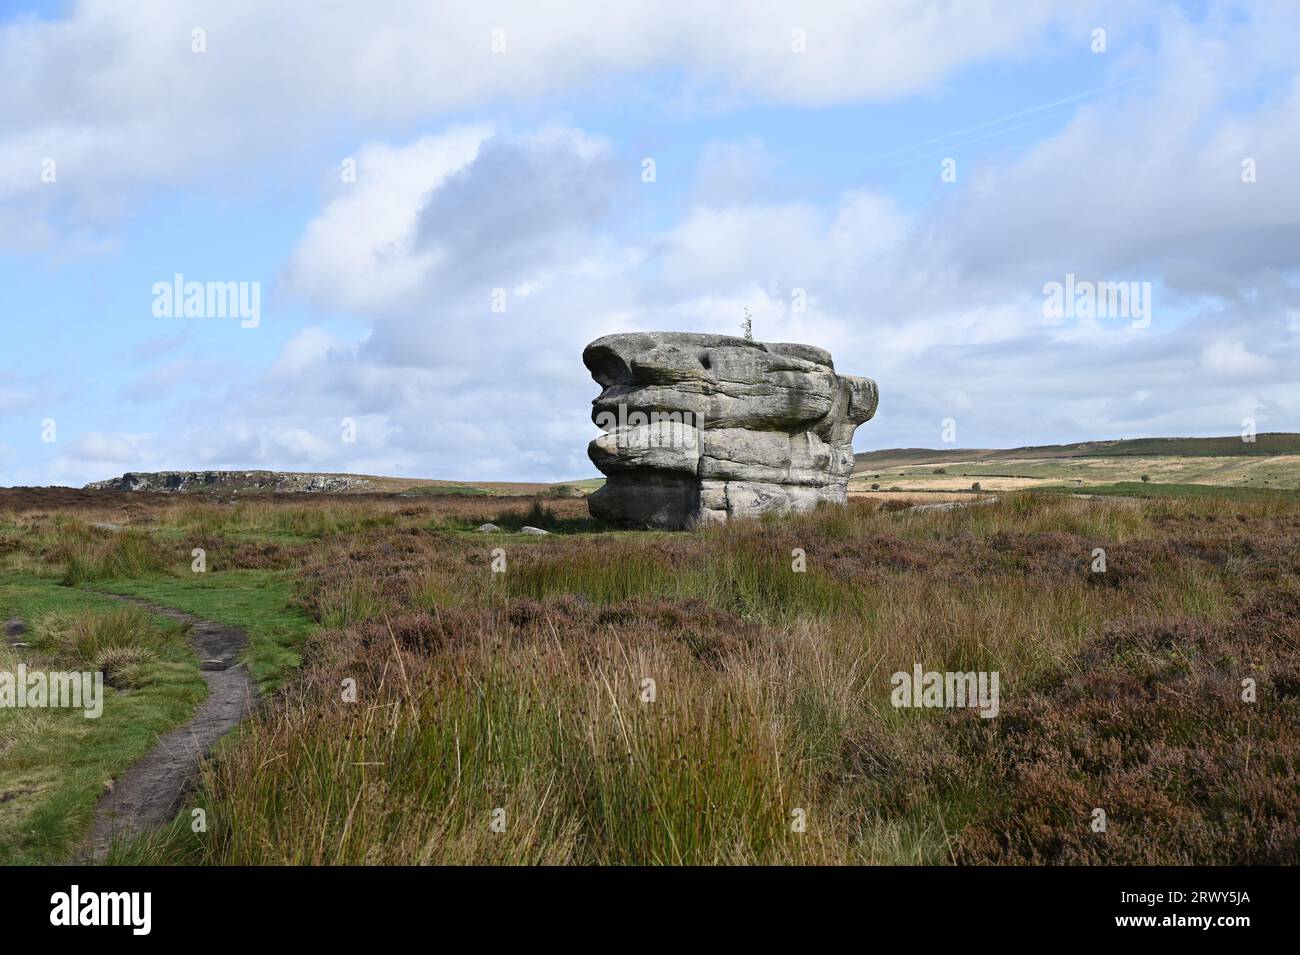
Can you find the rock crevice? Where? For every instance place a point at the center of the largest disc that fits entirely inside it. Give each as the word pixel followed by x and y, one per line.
pixel 703 427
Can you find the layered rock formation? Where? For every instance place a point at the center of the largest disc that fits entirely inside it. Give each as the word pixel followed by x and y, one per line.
pixel 708 427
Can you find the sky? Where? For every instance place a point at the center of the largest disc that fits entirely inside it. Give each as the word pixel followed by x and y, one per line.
pixel 439 205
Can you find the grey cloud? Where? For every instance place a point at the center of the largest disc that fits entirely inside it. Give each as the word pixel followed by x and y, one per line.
pixel 502 215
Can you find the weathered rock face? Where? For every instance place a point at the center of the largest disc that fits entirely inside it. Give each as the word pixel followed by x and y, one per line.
pixel 275 481
pixel 707 427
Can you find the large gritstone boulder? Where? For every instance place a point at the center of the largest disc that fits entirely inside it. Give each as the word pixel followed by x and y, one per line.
pixel 707 427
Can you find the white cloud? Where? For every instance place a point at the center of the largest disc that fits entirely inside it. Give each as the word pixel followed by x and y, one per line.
pixel 309 347
pixel 116 95
pixel 358 255
pixel 1151 186
pixel 1232 358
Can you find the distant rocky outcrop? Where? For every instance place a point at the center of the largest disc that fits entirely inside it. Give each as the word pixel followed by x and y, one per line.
pixel 248 481
pixel 708 427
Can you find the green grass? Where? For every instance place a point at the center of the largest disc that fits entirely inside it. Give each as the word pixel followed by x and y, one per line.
pixel 586 484
pixel 125 554
pixel 185 534
pixel 1139 489
pixel 540 514
pixel 54 763
pixel 263 521
pixel 522 690
pixel 1270 472
pixel 1263 445
pixel 745 580
pixel 449 490
pixel 258 602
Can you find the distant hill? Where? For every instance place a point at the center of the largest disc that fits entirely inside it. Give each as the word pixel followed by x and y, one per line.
pixel 296 482
pixel 1264 445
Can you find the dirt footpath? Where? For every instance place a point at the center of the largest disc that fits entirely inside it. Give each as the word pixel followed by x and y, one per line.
pixel 151 791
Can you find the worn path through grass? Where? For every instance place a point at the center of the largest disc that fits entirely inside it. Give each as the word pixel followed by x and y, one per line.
pixel 55 763
pixel 259 603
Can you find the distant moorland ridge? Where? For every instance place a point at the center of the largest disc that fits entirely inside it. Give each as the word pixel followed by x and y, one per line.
pixel 1265 445
pixel 223 482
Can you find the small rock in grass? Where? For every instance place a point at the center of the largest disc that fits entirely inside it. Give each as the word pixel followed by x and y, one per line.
pixel 488 528
pixel 15 627
pixel 529 529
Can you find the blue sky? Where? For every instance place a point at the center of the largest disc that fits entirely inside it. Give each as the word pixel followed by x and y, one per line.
pixel 775 170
